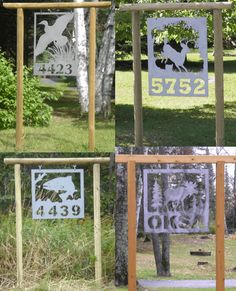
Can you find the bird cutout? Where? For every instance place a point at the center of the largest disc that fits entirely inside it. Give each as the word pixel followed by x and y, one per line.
pixel 53 33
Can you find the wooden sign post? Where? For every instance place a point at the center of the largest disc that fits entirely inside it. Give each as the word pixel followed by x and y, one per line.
pixel 131 161
pixel 20 60
pixel 217 8
pixel 96 161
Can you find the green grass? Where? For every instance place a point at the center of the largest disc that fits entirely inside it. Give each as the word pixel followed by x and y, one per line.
pixel 55 252
pixel 67 132
pixel 183 265
pixel 175 121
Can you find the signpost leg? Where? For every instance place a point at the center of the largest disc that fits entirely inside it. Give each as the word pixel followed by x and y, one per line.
pixel 18 225
pixel 137 69
pixel 131 226
pixel 92 76
pixel 220 231
pixel 19 97
pixel 219 78
pixel 97 223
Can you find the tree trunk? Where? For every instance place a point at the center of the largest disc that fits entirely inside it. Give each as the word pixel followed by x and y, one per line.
pixel 121 227
pixel 157 253
pixel 212 190
pixel 161 242
pixel 82 43
pixel 106 66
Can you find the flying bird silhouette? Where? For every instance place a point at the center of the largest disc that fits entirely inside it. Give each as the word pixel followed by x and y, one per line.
pixel 53 33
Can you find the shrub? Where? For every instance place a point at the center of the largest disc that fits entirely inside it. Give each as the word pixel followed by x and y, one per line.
pixel 36 112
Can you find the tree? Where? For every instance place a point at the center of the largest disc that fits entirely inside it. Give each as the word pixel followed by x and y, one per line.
pixel 123 26
pixel 105 62
pixel 121 226
pixel 82 77
pixel 156 201
pixel 161 242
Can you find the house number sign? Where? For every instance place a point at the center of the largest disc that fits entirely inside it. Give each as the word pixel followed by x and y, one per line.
pixel 55 44
pixel 57 193
pixel 170 41
pixel 176 200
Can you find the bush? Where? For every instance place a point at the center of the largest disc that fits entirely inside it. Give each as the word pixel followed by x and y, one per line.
pixel 36 112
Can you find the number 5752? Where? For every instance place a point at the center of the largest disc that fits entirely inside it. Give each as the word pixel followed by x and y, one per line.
pixel 172 86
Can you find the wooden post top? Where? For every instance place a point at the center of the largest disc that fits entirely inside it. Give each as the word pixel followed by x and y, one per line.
pixel 58 5
pixel 174 159
pixel 56 161
pixel 176 6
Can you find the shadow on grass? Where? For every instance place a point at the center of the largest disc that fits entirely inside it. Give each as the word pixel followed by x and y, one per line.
pixel 67 106
pixel 175 127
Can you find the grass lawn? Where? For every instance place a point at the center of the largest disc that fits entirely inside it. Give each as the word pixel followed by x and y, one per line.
pixel 183 265
pixel 67 132
pixel 175 121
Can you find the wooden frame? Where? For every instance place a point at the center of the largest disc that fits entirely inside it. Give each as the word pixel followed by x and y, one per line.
pixel 20 60
pixel 217 8
pixel 96 161
pixel 131 161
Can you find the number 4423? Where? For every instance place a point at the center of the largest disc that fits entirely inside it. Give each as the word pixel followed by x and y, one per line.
pixel 172 86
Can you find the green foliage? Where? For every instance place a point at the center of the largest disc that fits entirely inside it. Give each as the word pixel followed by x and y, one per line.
pixel 36 112
pixel 124 34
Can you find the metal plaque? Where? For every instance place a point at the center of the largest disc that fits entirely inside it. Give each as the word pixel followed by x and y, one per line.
pixel 55 48
pixel 176 200
pixel 57 193
pixel 170 40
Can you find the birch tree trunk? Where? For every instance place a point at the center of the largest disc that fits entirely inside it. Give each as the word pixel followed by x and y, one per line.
pixel 82 76
pixel 106 66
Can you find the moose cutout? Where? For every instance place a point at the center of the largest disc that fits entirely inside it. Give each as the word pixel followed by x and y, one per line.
pixel 181 207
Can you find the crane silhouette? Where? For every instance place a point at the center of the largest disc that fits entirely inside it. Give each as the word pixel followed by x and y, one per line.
pixel 53 33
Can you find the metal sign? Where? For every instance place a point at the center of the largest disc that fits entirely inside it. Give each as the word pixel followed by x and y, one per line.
pixel 176 200
pixel 170 40
pixel 55 44
pixel 57 193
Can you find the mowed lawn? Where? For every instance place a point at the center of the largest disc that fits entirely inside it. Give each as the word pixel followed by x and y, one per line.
pixel 68 130
pixel 183 265
pixel 175 121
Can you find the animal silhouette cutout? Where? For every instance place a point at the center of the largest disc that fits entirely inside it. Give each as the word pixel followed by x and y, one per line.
pixel 63 187
pixel 53 33
pixel 179 194
pixel 178 58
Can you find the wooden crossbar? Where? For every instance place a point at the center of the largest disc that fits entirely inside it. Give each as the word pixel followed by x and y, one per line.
pixel 55 5
pixel 56 161
pixel 174 159
pixel 176 6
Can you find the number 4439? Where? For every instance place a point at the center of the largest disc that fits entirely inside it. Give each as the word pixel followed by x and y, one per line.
pixel 61 211
pixel 172 86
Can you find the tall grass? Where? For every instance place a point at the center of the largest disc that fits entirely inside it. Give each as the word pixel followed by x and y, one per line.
pixel 54 250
